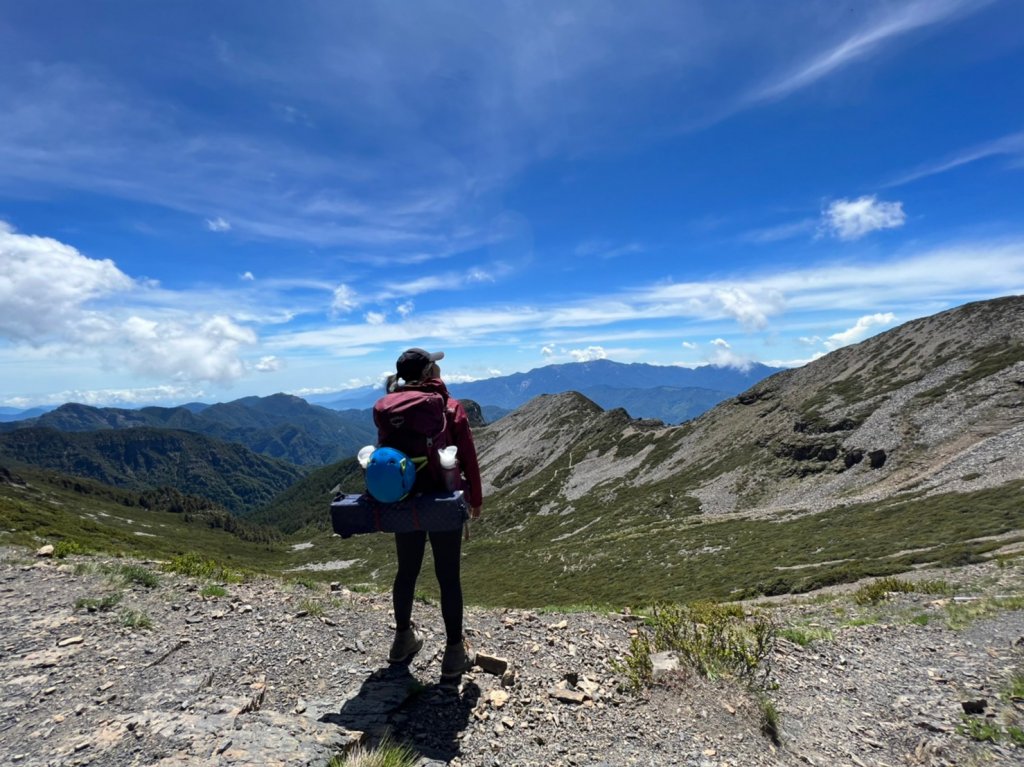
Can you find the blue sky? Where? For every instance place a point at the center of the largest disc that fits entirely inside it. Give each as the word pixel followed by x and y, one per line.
pixel 207 200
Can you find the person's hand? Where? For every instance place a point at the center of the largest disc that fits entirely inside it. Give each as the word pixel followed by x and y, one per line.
pixel 474 512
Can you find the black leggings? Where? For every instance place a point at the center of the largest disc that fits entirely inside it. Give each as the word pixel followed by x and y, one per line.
pixel 447 550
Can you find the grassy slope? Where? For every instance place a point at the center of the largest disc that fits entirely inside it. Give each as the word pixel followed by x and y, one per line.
pixel 683 558
pixel 524 561
pixel 230 474
pixel 44 508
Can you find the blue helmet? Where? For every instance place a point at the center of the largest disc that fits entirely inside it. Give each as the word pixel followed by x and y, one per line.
pixel 390 475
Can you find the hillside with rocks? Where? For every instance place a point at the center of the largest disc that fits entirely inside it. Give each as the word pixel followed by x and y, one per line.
pixel 113 663
pixel 935 405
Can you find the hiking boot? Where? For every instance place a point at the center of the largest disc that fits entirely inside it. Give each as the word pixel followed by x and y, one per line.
pixel 407 643
pixel 458 659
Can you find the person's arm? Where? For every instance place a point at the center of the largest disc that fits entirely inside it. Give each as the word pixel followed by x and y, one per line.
pixel 467 457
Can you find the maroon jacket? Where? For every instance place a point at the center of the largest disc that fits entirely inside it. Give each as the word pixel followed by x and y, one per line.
pixel 461 436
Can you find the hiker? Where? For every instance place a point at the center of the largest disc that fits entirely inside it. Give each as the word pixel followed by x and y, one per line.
pixel 418 370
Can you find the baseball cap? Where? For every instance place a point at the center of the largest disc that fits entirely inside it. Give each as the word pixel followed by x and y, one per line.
pixel 410 365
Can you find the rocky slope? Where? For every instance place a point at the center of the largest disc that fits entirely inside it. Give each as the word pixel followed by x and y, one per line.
pixel 275 674
pixel 935 405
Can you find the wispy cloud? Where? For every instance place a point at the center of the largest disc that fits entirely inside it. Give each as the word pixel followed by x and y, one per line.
pixel 605 250
pixel 1011 146
pixel 218 224
pixel 345 299
pixel 510 87
pixel 781 232
pixel 766 300
pixel 896 21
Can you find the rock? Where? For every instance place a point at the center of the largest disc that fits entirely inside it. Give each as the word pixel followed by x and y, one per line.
pixel 567 696
pixel 45 551
pixel 663 663
pixel 974 706
pixel 492 664
pixel 497 698
pixel 68 641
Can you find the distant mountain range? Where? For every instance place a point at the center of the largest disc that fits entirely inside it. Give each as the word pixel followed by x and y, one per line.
pixel 15 414
pixel 296 430
pixel 279 426
pixel 666 392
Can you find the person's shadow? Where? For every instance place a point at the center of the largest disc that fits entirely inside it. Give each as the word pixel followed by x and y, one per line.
pixel 393 704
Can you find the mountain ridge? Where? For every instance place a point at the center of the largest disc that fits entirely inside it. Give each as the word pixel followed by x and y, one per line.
pixel 143 458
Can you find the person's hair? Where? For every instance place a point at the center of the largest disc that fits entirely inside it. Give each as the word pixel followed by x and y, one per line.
pixel 430 370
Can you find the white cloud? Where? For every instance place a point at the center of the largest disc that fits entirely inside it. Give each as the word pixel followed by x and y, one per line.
pixel 269 364
pixel 345 299
pixel 548 350
pixel 46 287
pixel 208 351
pixel 52 295
pixel 721 343
pixel 689 345
pixel 810 340
pixel 724 357
pixel 248 276
pixel 750 306
pixel 852 219
pixel 405 309
pixel 375 318
pixel 218 224
pixel 168 394
pixel 589 354
pixel 862 329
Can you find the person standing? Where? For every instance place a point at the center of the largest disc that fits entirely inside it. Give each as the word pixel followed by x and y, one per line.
pixel 417 369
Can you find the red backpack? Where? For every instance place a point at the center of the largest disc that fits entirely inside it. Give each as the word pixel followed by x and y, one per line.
pixel 415 421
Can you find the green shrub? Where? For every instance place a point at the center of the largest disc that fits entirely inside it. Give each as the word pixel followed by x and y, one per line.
pixel 66 547
pixel 804 635
pixel 1014 689
pixel 102 605
pixel 714 640
pixel 878 590
pixel 213 591
pixel 312 607
pixel 134 619
pixel 636 667
pixel 310 584
pixel 193 565
pixel 140 575
pixel 771 722
pixel 387 754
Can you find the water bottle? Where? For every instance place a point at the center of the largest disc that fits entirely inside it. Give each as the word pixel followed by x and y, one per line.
pixel 364 455
pixel 450 467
